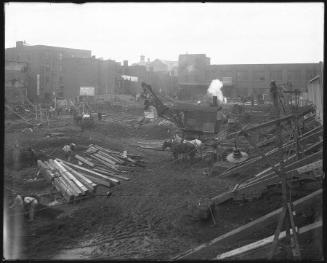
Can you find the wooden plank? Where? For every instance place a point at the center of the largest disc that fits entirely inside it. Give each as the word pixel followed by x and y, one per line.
pixel 304 161
pixel 111 174
pixel 88 183
pixel 267 177
pixel 71 185
pixel 83 160
pixel 110 156
pixel 102 161
pixel 269 123
pixel 309 167
pixel 250 227
pixel 98 175
pixel 109 162
pixel 254 160
pixel 98 180
pixel 72 178
pixel 264 242
pixel 64 179
pixel 67 194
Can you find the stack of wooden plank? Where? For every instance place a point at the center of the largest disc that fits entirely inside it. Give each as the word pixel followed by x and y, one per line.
pixel 72 184
pixel 109 161
pixel 100 167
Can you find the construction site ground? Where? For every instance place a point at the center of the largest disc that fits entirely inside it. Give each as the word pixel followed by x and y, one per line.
pixel 152 216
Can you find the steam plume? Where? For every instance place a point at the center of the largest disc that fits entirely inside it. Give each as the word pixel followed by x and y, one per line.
pixel 215 90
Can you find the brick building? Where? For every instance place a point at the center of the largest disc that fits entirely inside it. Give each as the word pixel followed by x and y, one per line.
pixel 254 79
pixel 16 81
pixel 195 75
pixel 45 67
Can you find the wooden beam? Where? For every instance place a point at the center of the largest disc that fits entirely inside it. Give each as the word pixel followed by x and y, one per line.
pixel 250 227
pixel 71 177
pixel 95 174
pixel 265 177
pixel 83 160
pixel 269 123
pixel 111 174
pixel 70 184
pixel 244 165
pixel 264 242
pixel 85 181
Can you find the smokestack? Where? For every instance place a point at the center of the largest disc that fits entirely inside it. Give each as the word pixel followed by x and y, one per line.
pixel 214 101
pixel 125 63
pixel 19 44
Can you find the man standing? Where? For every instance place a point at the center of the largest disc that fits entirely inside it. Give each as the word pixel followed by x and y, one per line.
pixel 219 120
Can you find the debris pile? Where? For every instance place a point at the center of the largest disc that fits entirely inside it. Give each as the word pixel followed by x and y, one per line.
pixel 100 167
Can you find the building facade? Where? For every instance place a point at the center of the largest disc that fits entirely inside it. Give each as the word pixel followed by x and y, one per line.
pixel 16 81
pixel 254 79
pixel 45 67
pixel 193 77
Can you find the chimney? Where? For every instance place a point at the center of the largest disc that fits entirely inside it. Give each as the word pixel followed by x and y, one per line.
pixel 125 63
pixel 214 101
pixel 19 44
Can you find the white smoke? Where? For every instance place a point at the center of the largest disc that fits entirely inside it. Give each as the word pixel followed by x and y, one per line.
pixel 215 90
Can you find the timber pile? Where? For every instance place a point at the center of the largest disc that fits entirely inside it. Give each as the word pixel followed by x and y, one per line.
pixel 78 181
pixel 112 161
pixel 72 184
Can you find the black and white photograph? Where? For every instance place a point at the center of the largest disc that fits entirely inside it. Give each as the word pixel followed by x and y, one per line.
pixel 166 131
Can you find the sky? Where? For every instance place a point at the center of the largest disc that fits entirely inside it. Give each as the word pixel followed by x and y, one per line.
pixel 228 33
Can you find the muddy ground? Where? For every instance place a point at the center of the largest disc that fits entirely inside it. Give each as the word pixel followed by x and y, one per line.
pixel 152 216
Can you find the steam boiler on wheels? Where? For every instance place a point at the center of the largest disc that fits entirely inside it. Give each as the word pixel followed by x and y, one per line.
pixel 194 121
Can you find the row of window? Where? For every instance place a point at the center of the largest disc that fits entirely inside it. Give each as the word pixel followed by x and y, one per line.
pixel 292 75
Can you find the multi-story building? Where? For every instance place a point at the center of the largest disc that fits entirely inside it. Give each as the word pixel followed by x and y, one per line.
pixel 16 81
pixel 102 75
pixel 254 79
pixel 195 75
pixel 45 67
pixel 192 74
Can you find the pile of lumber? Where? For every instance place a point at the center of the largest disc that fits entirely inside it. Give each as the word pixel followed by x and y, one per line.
pixel 112 161
pixel 100 167
pixel 71 184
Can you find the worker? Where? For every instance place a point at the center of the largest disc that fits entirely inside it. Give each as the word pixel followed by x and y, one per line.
pixel 69 150
pixel 51 111
pixel 219 120
pixel 26 205
pixel 274 92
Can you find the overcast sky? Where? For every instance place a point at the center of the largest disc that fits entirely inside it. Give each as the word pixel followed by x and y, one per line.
pixel 227 32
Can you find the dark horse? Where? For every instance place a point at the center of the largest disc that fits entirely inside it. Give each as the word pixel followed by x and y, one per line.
pixel 180 148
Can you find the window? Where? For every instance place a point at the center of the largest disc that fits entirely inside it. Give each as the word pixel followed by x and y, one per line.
pixel 276 75
pixel 259 75
pixel 243 76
